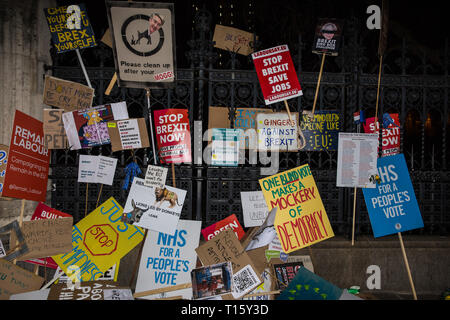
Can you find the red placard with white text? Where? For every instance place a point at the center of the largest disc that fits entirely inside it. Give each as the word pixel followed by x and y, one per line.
pixel 230 222
pixel 28 160
pixel 391 135
pixel 276 74
pixel 173 135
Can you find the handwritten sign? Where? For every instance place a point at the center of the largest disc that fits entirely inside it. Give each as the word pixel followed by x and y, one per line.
pixel 70 27
pixel 67 95
pixel 96 169
pixel 301 219
pixel 3 161
pixel 14 279
pixel 254 208
pixel 392 204
pixel 225 147
pixel 233 39
pixel 276 74
pixel 155 176
pixel 54 133
pixel 231 222
pixel 327 37
pixel 276 132
pixel 321 132
pixel 89 290
pixel 390 133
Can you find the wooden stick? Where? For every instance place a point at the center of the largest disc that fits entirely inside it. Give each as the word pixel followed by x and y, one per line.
pixel 354 214
pixel 261 294
pixel 138 259
pixel 36 269
pixel 173 176
pixel 407 266
pixel 86 206
pixel 288 111
pixel 318 84
pixel 161 290
pixel 99 194
pixel 111 84
pixel 171 298
pixel 22 209
pixel 378 93
pixel 83 68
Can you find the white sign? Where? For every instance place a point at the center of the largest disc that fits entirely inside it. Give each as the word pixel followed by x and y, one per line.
pixel 276 132
pixel 106 170
pixel 357 159
pixel 155 176
pixel 168 260
pixel 254 208
pixel 129 134
pixel 96 169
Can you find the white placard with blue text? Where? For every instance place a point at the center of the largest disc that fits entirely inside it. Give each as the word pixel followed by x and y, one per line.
pixel 392 204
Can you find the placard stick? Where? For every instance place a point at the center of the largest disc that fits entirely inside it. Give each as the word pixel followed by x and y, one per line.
pixel 354 203
pixel 86 205
pixel 22 209
pixel 378 92
pixel 407 266
pixel 138 259
pixel 111 84
pixel 318 84
pixel 83 68
pixel 161 290
pixel 288 111
pixel 151 124
pixel 99 194
pixel 173 176
pixel 55 277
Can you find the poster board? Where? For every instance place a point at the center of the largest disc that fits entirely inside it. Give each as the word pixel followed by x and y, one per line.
pixel 3 161
pixel 89 290
pixel 321 132
pixel 155 176
pixel 168 260
pixel 225 147
pixel 54 133
pixel 327 36
pixel 16 280
pixel 254 208
pixel 392 204
pixel 233 39
pixel 28 160
pixel 67 95
pixel 231 222
pixel 143 42
pixel 96 169
pixel 301 219
pixel 276 132
pixel 212 282
pixel 390 133
pixel 128 134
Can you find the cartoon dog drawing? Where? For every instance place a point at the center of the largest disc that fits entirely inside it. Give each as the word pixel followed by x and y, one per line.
pixel 162 195
pixel 141 35
pixel 134 215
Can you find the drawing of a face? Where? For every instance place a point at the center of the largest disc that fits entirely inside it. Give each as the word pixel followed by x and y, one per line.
pixel 328 30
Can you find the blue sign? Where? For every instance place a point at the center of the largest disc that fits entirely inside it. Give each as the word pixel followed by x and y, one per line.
pixel 321 132
pixel 392 205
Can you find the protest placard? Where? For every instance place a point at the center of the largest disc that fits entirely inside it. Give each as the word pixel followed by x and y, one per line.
pixel 28 160
pixel 327 37
pixel 15 249
pixel 143 42
pixel 167 260
pixel 128 134
pixel 66 94
pixel 88 127
pixel 99 241
pixel 285 272
pixel 2 250
pixel 155 176
pixel 173 135
pixel 15 280
pixel 54 133
pixel 70 28
pixel 231 222
pixel 357 159
pixel 321 130
pixel 31 295
pixel 392 204
pixel 233 39
pixel 276 74
pixel 225 147
pixel 96 169
pixel 109 275
pixel 390 139
pixel 3 161
pixel 254 208
pixel 88 290
pixel 276 132
pixel 157 209
pixel 212 281
pixel 301 219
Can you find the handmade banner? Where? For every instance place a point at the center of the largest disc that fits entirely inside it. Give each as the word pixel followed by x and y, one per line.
pixel 96 169
pixel 88 127
pixel 3 161
pixel 70 28
pixel 276 132
pixel 167 260
pixel 392 204
pixel 89 290
pixel 99 241
pixel 357 160
pixel 143 39
pixel 128 134
pixel 231 222
pixel 173 135
pixel 66 94
pixel 54 133
pixel 28 160
pixel 155 176
pixel 254 208
pixel 212 281
pixel 301 219
pixel 157 209
pixel 225 147
pixel 15 280
pixel 233 39
pixel 321 130
pixel 327 38
pixel 390 133
pixel 276 74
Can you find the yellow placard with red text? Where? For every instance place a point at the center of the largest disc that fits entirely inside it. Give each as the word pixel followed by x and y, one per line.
pixel 301 219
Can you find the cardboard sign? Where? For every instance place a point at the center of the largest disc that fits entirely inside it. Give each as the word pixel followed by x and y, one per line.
pixel 168 260
pixel 28 160
pixel 67 95
pixel 70 28
pixel 109 275
pixel 17 248
pixel 254 208
pixel 143 38
pixel 2 250
pixel 357 159
pixel 173 135
pixel 226 247
pixel 89 290
pixel 46 237
pixel 225 147
pixel 155 176
pixel 3 161
pixel 309 286
pixel 233 39
pixel 128 134
pixel 392 204
pixel 15 280
pixel 157 209
pixel 276 74
pixel 276 132
pixel 99 241
pixel 88 127
pixel 327 38
pixel 231 222
pixel 54 133
pixel 212 281
pixel 301 219
pixel 96 169
pixel 390 134
pixel 321 132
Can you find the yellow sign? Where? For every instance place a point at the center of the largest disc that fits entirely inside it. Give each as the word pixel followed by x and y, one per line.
pixel 301 219
pixel 99 241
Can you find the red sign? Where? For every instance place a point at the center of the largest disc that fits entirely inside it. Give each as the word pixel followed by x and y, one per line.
pixel 391 134
pixel 173 135
pixel 276 74
pixel 28 160
pixel 230 222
